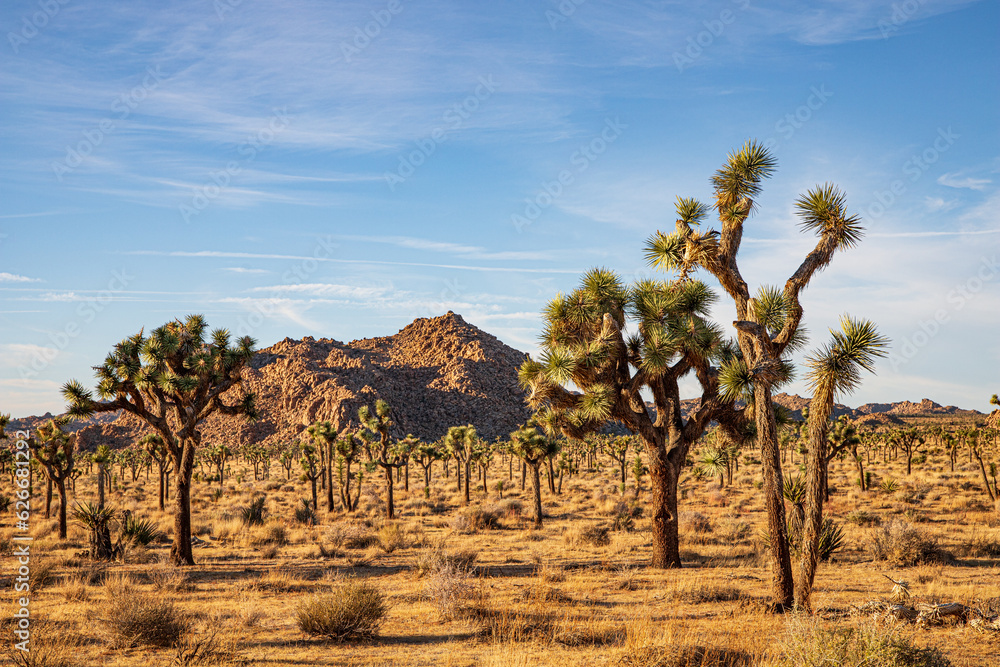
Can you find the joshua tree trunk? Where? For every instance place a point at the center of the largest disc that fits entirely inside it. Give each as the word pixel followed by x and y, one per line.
pixel 663 480
pixel 536 483
pixel 390 509
pixel 782 585
pixel 48 497
pixel 986 480
pixel 859 464
pixel 100 486
pixel 468 473
pixel 180 550
pixel 61 484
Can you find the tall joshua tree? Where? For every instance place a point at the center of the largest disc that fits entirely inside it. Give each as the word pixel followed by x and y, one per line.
pixel 53 449
pixel 768 326
pixel 833 370
pixel 584 343
pixel 173 380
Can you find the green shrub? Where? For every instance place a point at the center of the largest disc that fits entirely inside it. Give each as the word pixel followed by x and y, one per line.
pixel 863 518
pixel 353 610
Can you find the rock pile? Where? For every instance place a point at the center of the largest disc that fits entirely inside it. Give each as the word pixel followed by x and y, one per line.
pixel 435 373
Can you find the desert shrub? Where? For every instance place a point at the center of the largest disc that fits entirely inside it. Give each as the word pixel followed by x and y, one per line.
pixel 353 537
pixel 169 578
pixel 597 535
pixel 902 545
pixel 623 515
pixel 390 537
pixel 696 522
pixel 5 502
pixel 429 561
pixel 450 588
pixel 863 518
pixel 42 574
pixel 982 546
pixel 809 644
pixel 254 513
pixel 475 518
pixel 354 609
pixel 141 619
pixel 51 646
pixel 678 655
pixel 270 534
pixel 702 593
pixel 306 513
pixel 889 485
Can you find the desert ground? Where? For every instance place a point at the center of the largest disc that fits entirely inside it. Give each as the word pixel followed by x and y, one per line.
pixel 478 584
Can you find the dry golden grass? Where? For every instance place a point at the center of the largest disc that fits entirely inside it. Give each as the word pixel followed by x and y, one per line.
pixel 480 585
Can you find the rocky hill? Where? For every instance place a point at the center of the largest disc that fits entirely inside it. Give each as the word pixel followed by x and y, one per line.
pixel 890 411
pixel 435 373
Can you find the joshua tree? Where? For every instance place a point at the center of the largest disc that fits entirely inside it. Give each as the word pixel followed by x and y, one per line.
pixel 53 449
pixel 767 325
pixel 460 442
pixel 974 444
pixel 833 370
pixel 533 447
pixel 287 459
pixel 324 436
pixel 389 456
pixel 173 380
pixel 153 444
pixel 909 440
pixel 843 437
pixel 101 457
pixel 617 449
pixel 312 468
pixel 218 456
pixel 348 448
pixel 426 453
pixel 585 343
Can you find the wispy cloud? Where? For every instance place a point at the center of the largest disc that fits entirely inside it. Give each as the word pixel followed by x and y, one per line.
pixel 249 255
pixel 15 278
pixel 954 180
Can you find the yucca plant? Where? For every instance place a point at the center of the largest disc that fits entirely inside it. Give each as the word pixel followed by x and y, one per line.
pixel 138 531
pixel 254 513
pixel 306 513
pixel 98 521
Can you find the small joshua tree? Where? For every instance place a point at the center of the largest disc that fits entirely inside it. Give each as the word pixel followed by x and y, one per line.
pixel 425 454
pixel 53 449
pixel 323 435
pixel 461 443
pixel 312 469
pixel 533 447
pixel 348 448
pixel 381 450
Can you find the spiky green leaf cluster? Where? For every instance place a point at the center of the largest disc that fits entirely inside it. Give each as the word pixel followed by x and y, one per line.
pixel 174 366
pixel 823 210
pixel 837 366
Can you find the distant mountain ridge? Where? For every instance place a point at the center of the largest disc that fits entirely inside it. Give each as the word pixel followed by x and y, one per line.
pixel 435 373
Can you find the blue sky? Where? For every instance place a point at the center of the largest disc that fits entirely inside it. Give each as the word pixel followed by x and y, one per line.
pixel 339 169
